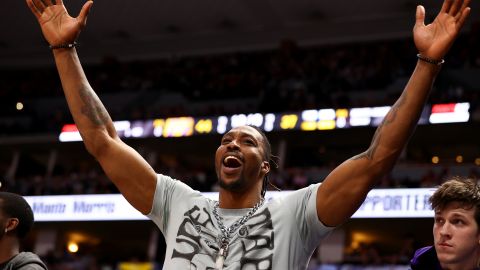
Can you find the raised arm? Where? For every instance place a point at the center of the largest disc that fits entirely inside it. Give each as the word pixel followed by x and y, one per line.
pixel 133 176
pixel 346 187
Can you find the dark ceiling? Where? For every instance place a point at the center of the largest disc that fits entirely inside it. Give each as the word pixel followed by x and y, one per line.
pixel 144 28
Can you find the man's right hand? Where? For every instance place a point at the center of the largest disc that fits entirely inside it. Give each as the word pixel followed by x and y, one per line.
pixel 58 27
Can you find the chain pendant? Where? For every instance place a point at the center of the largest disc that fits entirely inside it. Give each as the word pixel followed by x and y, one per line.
pixel 220 259
pixel 224 238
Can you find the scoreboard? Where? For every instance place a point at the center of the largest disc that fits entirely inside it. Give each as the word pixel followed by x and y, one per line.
pixel 307 120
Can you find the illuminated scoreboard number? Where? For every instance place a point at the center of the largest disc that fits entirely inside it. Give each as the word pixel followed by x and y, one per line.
pixel 204 126
pixel 288 121
pixel 318 119
pixel 174 127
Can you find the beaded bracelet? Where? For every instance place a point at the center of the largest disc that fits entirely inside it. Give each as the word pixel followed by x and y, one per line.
pixel 63 46
pixel 431 61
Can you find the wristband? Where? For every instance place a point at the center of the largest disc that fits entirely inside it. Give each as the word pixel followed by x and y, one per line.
pixel 431 61
pixel 63 46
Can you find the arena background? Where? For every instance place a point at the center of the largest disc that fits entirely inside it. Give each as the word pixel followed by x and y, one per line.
pixel 165 59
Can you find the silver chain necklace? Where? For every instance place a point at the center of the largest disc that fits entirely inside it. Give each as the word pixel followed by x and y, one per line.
pixel 226 233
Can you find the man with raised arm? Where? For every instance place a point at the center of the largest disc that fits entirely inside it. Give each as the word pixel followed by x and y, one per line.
pixel 241 230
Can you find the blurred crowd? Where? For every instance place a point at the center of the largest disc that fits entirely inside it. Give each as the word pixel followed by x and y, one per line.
pixel 287 78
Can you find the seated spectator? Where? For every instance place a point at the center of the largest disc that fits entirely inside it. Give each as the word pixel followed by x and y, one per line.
pixel 16 220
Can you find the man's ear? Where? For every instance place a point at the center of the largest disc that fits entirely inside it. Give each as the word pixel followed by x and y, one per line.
pixel 265 167
pixel 12 223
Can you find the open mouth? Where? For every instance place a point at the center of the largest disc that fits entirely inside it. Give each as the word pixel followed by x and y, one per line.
pixel 232 162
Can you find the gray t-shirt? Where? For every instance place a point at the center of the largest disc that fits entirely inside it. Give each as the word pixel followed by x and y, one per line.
pixel 282 234
pixel 24 261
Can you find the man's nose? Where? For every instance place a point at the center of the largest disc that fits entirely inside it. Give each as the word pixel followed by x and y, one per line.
pixel 445 230
pixel 233 144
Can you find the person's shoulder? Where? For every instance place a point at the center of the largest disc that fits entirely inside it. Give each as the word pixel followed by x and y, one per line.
pixel 291 197
pixel 425 258
pixel 308 190
pixel 32 266
pixel 429 250
pixel 28 261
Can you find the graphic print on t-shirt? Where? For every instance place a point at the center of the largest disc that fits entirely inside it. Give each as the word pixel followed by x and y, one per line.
pixel 251 246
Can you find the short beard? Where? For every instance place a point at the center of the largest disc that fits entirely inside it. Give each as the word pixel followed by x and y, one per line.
pixel 234 186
